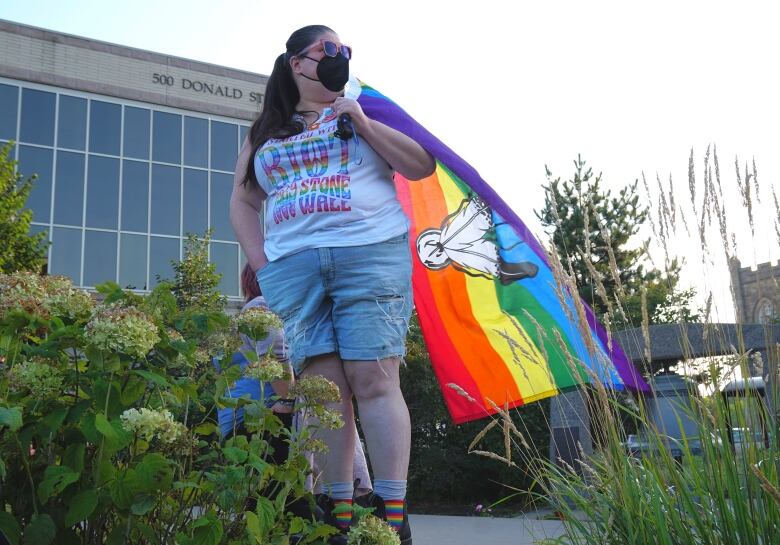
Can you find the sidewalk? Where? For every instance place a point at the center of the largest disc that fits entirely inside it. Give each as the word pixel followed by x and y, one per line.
pixel 447 530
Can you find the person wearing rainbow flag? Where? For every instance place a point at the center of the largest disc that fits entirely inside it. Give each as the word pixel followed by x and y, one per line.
pixel 333 257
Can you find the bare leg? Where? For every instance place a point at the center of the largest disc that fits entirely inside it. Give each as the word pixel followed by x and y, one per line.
pixel 336 464
pixel 383 415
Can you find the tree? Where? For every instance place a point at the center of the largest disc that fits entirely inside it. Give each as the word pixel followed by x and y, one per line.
pixel 594 233
pixel 20 250
pixel 196 280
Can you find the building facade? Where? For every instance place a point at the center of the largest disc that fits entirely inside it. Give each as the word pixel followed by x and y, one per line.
pixel 132 151
pixel 756 292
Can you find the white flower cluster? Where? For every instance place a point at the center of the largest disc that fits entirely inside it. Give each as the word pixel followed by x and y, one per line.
pixel 41 379
pixel 150 423
pixel 257 322
pixel 125 330
pixel 43 296
pixel 266 370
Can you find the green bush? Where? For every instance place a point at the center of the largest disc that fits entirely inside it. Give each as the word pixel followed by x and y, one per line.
pixel 107 423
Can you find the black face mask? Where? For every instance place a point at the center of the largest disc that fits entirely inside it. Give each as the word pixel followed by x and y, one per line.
pixel 333 72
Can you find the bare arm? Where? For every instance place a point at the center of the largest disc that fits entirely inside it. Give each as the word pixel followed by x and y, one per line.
pixel 401 152
pixel 246 202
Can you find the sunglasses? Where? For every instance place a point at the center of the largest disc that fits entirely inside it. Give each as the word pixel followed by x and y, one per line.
pixel 331 49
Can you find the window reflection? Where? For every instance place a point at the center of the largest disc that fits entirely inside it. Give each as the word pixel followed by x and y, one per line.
pixel 69 188
pixel 66 253
pixel 37 124
pixel 161 251
pixel 102 192
pixel 221 188
pixel 136 138
pixel 196 142
pixel 166 186
pixel 99 257
pixel 135 196
pixel 37 161
pixel 224 146
pixel 132 261
pixel 166 140
pixel 196 206
pixel 104 122
pixel 225 257
pixel 9 102
pixel 72 123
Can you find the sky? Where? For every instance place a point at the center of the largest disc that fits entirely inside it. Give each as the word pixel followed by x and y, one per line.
pixel 514 87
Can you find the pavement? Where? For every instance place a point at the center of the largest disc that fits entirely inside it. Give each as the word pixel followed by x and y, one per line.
pixel 526 529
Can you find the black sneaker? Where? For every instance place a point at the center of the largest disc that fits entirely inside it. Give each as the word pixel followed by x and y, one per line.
pixel 405 532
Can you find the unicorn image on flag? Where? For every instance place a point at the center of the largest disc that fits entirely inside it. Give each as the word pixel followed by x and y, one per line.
pixel 467 241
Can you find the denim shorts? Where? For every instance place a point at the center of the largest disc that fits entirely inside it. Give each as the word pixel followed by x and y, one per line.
pixel 354 301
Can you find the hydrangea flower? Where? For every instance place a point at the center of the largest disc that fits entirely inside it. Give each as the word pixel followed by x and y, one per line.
pixel 125 330
pixel 40 378
pixel 266 370
pixel 151 423
pixel 44 296
pixel 257 322
pixel 316 389
pixel 371 530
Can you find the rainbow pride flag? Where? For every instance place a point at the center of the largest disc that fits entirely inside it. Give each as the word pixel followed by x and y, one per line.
pixel 496 323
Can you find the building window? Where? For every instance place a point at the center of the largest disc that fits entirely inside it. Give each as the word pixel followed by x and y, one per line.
pixel 9 104
pixel 72 123
pixel 103 192
pixel 136 135
pixel 37 125
pixel 69 189
pixel 166 138
pixel 119 185
pixel 765 312
pixel 39 161
pixel 105 120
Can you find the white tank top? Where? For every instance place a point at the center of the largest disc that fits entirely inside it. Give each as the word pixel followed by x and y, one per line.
pixel 325 192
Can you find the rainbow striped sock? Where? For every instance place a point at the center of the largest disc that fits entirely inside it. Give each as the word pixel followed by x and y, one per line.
pixel 343 515
pixel 395 513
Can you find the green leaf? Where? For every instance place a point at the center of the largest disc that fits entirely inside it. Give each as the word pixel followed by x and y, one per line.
pixel 55 480
pixel 87 427
pixel 208 534
pixel 10 528
pixel 266 513
pixel 81 507
pixel 124 489
pixel 206 429
pixel 154 473
pixel 143 504
pixel 11 417
pixel 153 377
pixel 40 531
pixel 73 457
pixel 253 527
pixel 104 427
pixel 133 391
pixel 54 419
pixel 235 455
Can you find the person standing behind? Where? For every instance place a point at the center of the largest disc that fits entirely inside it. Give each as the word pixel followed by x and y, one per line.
pixel 333 256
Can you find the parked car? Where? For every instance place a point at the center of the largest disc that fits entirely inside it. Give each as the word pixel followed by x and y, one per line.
pixel 745 438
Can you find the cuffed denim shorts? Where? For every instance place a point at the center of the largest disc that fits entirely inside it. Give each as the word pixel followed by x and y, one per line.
pixel 355 301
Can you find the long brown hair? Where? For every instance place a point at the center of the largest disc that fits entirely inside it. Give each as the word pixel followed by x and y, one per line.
pixel 281 97
pixel 249 285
